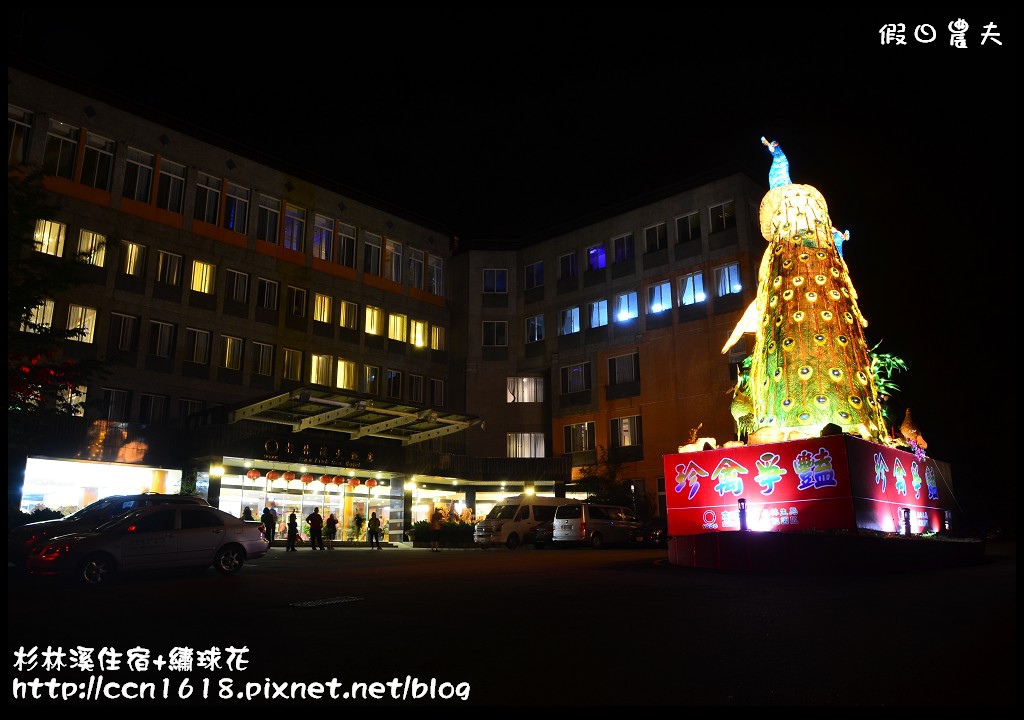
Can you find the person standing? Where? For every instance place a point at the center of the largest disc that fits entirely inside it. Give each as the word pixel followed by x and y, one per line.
pixel 435 530
pixel 269 523
pixel 316 529
pixel 373 531
pixel 247 513
pixel 358 522
pixel 330 530
pixel 293 532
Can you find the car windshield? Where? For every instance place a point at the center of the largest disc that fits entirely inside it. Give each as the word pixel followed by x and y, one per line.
pixel 502 512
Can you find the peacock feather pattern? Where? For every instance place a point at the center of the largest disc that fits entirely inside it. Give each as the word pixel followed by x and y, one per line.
pixel 811 365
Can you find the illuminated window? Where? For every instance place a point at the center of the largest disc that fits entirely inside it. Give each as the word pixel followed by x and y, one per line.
pixel 82 322
pixel 60 150
pixel 236 209
pixel 92 247
pixel 495 280
pixel 349 316
pixel 294 228
pixel 170 189
pixel 323 237
pixel 656 237
pixel 237 286
pixel 371 379
pixel 598 312
pixel 524 445
pixel 161 339
pixel 322 306
pixel 40 318
pixel 579 437
pixel 393 261
pixel 203 275
pixel 347 377
pixel 575 378
pixel 373 321
pixel 659 298
pixel 133 258
pixel 397 327
pixel 626 431
pixel 722 216
pixel 691 289
pixel 233 347
pixel 292 364
pixel 418 333
pixel 346 245
pixel 596 258
pixel 97 162
pixel 569 321
pixel 534 328
pixel 168 268
pixel 138 175
pixel 49 237
pixel 75 399
pixel 262 359
pixel 524 389
pixel 688 227
pixel 197 346
pixel 727 280
pixel 437 338
pixel 625 307
pixel 371 253
pixel 320 369
pixel 268 216
pixel 207 206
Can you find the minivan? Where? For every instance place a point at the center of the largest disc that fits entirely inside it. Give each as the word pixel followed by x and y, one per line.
pixel 512 521
pixel 594 524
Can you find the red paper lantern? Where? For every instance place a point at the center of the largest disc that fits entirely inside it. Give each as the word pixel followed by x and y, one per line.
pixel 338 480
pixel 253 474
pixel 325 479
pixel 273 475
pixel 371 483
pixel 353 482
pixel 289 476
pixel 306 478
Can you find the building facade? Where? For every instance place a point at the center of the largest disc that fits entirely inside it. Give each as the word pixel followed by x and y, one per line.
pixel 277 340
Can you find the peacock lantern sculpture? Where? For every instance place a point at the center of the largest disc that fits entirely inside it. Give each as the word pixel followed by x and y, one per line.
pixel 811 366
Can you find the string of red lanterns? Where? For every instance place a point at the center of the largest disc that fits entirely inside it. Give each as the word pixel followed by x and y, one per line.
pixel 306 478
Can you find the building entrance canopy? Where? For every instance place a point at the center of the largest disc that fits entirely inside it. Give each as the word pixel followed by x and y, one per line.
pixel 305 408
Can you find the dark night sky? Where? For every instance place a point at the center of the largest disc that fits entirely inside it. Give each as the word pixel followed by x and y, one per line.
pixel 502 122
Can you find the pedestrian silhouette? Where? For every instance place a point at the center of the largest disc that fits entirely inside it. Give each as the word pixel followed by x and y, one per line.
pixel 316 527
pixel 373 530
pixel 293 532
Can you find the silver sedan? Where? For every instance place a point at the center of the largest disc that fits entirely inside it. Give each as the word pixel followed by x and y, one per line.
pixel 150 538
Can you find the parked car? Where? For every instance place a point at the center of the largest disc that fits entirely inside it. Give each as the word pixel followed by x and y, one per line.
pixel 542 534
pixel 154 537
pixel 653 533
pixel 25 539
pixel 594 524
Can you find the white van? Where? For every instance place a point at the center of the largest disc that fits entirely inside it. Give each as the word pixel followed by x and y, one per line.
pixel 511 521
pixel 594 524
